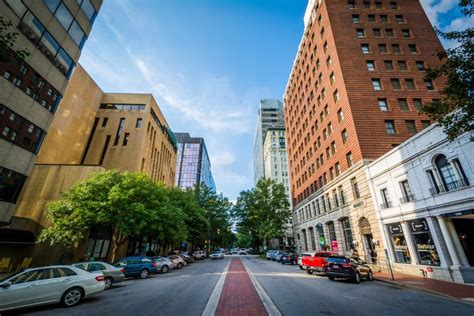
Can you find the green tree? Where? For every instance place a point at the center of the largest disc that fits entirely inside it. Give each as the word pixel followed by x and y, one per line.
pixel 7 43
pixel 455 110
pixel 244 240
pixel 262 212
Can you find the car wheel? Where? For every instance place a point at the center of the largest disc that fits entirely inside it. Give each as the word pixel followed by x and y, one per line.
pixel 331 278
pixel 370 276
pixel 301 267
pixel 282 262
pixel 144 274
pixel 72 296
pixel 357 278
pixel 164 269
pixel 108 282
pixel 180 265
pixel 309 271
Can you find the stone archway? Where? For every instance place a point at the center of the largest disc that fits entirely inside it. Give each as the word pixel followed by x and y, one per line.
pixel 367 240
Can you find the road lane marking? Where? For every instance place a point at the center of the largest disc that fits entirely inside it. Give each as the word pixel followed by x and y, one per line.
pixel 270 307
pixel 213 301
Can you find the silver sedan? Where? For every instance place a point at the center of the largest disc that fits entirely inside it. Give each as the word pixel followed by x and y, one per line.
pixel 48 285
pixel 163 265
pixel 111 274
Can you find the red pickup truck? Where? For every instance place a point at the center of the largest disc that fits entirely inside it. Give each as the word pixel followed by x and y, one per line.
pixel 316 262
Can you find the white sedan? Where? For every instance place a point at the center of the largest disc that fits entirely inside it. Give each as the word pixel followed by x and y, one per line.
pixel 217 255
pixel 48 285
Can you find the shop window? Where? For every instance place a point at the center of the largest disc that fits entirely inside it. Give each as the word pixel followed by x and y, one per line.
pixel 346 229
pixel 424 244
pixel 399 243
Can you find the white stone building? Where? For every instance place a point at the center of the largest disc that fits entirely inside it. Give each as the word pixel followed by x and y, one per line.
pixel 424 197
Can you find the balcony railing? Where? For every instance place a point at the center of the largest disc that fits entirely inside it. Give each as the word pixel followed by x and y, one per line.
pixel 449 187
pixel 407 198
pixel 386 205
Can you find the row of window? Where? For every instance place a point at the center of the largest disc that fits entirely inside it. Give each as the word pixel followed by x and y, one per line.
pixel 383 18
pixel 89 11
pixel 331 229
pixel 123 107
pixel 30 82
pixel 378 33
pixel 389 65
pixel 402 104
pixel 367 5
pixel 395 49
pixel 35 31
pixel 395 83
pixel 19 131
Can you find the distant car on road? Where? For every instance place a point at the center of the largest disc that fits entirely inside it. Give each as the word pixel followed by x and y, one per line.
pixel 199 255
pixel 163 264
pixel 111 274
pixel 279 255
pixel 242 252
pixel 216 255
pixel 289 258
pixel 48 285
pixel 269 253
pixel 274 255
pixel 138 267
pixel 316 262
pixel 351 268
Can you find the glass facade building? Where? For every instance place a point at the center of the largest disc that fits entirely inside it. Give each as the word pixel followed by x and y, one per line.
pixel 193 165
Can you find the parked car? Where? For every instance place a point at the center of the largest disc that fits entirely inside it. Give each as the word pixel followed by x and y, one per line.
pixel 48 285
pixel 300 259
pixel 216 255
pixel 279 255
pixel 163 265
pixel 199 255
pixel 186 257
pixel 274 254
pixel 178 262
pixel 316 262
pixel 242 252
pixel 351 268
pixel 289 258
pixel 139 267
pixel 111 274
pixel 269 253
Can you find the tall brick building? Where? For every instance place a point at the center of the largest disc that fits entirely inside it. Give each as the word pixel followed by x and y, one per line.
pixel 354 93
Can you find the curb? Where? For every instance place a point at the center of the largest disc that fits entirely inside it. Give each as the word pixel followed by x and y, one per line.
pixel 422 289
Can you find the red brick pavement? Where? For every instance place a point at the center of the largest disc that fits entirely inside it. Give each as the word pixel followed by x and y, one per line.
pixel 451 289
pixel 239 297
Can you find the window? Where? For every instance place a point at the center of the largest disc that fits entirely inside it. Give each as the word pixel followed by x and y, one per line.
pixel 11 183
pixel 378 4
pixel 429 85
pixel 63 16
pixel 420 65
pixel 332 78
pixel 377 33
pixel 64 63
pixel 389 33
pixel 125 139
pixel 337 168
pixel 386 202
pixel 402 65
pixel 393 5
pixel 390 126
pixel 383 106
pixel 355 188
pixel 424 244
pixel 332 230
pixel 325 47
pixel 333 148
pixel 411 126
pixel 370 65
pixel 344 136
pixel 340 115
pixel 403 104
pixel 395 84
pixel 119 130
pixel 400 246
pixel 360 33
pixel 383 18
pixel 347 232
pixel 48 46
pixel 77 34
pixel 417 104
pixel 366 4
pixel 399 18
pixel 17 6
pixel 406 33
pixel 396 49
pixel 29 276
pixel 104 121
pixel 410 84
pixel 365 48
pixel 425 124
pixel 446 172
pixel 349 160
pixel 355 18
pixel 413 48
pixel 328 61
pixel 88 9
pixel 351 4
pixel 376 84
pixel 371 17
pixel 328 153
pixel 388 65
pixel 138 123
pixel 383 48
pixel 335 96
pixel 406 192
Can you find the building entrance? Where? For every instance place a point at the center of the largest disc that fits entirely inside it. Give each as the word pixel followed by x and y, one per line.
pixel 368 240
pixel 465 232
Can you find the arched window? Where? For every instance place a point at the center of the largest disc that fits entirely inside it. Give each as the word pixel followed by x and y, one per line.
pixel 446 171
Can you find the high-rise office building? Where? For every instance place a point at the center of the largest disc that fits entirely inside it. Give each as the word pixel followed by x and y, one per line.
pixel 193 165
pixel 354 92
pixel 270 114
pixel 53 33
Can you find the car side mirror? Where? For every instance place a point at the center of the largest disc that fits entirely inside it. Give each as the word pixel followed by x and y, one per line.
pixel 5 285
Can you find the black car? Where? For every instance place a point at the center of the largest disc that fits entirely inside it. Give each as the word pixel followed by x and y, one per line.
pixel 290 258
pixel 349 268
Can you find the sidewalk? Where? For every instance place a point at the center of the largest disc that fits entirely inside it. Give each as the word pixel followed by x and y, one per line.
pixel 450 289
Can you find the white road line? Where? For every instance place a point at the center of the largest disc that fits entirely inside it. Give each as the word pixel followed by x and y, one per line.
pixel 271 308
pixel 213 301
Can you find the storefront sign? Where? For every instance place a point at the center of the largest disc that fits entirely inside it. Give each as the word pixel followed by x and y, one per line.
pixel 395 228
pixel 334 246
pixel 419 225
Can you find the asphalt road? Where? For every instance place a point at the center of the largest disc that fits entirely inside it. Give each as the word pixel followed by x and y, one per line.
pixel 187 291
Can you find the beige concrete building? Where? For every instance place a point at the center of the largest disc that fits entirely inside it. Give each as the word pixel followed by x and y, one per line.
pixel 92 131
pixel 53 32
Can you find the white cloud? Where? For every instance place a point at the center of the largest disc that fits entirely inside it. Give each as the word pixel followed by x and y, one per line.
pixel 435 7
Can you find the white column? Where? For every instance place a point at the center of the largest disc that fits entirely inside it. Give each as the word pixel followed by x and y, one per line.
pixel 411 245
pixel 457 242
pixel 449 241
pixel 440 249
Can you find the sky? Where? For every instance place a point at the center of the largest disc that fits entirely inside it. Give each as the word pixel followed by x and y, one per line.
pixel 208 63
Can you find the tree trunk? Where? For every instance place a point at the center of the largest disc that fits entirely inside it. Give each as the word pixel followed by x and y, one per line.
pixel 117 240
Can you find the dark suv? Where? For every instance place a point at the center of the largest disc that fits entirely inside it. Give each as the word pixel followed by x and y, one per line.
pixel 139 267
pixel 351 268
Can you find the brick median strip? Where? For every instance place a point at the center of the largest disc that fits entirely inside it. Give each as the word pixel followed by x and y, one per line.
pixel 239 296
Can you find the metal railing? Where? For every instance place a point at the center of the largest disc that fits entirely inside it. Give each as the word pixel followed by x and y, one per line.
pixel 448 187
pixel 385 205
pixel 407 198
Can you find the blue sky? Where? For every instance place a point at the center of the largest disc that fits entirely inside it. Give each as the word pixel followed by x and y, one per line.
pixel 208 63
